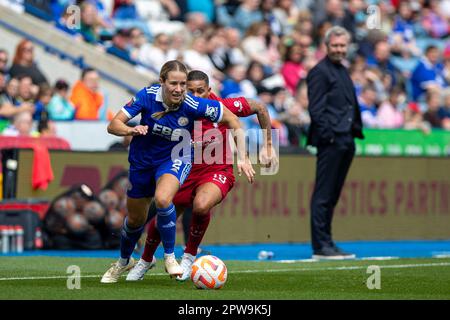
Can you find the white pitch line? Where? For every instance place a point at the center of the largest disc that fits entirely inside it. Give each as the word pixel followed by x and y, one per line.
pixel 393 266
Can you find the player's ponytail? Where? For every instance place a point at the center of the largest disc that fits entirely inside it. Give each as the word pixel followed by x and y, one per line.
pixel 158 115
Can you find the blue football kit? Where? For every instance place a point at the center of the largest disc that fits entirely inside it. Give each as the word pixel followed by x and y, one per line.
pixel 152 155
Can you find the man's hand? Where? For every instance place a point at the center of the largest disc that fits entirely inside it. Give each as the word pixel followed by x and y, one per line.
pixel 138 131
pixel 247 167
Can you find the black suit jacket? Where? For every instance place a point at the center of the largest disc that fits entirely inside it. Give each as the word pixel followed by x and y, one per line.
pixel 333 105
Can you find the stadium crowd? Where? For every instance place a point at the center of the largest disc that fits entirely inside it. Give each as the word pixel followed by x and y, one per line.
pixel 399 59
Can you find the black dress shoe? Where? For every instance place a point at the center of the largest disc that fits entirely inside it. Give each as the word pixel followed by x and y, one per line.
pixel 342 252
pixel 332 253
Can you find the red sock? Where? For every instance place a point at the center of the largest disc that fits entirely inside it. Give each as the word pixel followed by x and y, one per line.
pixel 152 241
pixel 199 224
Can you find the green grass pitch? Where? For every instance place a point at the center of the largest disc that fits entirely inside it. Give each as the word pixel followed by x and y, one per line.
pixel 46 278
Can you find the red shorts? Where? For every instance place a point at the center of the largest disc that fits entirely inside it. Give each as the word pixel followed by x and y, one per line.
pixel 221 176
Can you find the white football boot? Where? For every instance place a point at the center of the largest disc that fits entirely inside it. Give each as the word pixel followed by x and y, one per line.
pixel 113 274
pixel 140 269
pixel 171 265
pixel 186 263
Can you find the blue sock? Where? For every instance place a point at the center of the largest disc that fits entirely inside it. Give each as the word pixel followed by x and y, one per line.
pixel 166 223
pixel 128 239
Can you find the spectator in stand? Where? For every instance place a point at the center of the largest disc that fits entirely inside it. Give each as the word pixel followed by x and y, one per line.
pixel 286 11
pixel 103 18
pixel 246 14
pixel 433 101
pixel 43 98
pixel 293 112
pixel 368 108
pixel 195 24
pixel 126 16
pixel 444 112
pixel 414 118
pixel 27 91
pixel 235 52
pixel 434 22
pixel 87 98
pixel 120 46
pixel 292 69
pixel 4 61
pixel 404 31
pixel 89 24
pixel 381 60
pixel 158 53
pixel 231 85
pixel 390 115
pixel 255 74
pixel 267 9
pixel 218 50
pixel 428 74
pixel 204 6
pixel 446 71
pixel 8 99
pixel 2 83
pixel 66 23
pixel 355 9
pixel 24 64
pixel 59 107
pixel 260 45
pixel 21 126
pixel 196 58
pixel 333 13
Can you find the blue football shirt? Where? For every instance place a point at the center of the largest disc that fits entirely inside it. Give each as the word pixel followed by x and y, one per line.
pixel 165 133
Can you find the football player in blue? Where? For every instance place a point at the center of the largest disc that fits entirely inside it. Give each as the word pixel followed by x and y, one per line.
pixel 156 171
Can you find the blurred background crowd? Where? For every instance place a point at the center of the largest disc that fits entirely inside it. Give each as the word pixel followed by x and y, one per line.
pixel 399 58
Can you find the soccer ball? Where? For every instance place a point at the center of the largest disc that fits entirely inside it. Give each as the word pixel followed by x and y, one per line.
pixel 209 272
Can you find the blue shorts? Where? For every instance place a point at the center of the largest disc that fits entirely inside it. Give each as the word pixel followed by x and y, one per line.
pixel 143 182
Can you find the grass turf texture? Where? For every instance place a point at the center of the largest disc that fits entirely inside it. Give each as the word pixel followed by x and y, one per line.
pixel 400 279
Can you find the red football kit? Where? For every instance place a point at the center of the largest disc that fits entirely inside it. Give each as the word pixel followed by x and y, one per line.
pixel 219 172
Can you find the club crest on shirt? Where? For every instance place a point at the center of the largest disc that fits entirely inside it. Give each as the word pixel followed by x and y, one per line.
pixel 183 121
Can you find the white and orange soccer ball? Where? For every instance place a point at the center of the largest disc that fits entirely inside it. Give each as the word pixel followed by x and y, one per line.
pixel 209 272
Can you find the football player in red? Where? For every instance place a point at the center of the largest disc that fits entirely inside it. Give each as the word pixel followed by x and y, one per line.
pixel 208 183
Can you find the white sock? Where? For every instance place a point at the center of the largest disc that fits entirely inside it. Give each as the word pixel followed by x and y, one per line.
pixel 144 262
pixel 166 255
pixel 189 256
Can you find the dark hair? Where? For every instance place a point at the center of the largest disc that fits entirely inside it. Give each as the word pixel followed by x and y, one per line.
pixel 195 75
pixel 61 85
pixel 172 65
pixel 22 76
pixel 430 47
pixel 86 71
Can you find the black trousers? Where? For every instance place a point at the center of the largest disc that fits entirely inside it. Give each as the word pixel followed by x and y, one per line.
pixel 333 163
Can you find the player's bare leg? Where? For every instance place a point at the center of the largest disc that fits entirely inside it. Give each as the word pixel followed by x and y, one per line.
pixel 207 196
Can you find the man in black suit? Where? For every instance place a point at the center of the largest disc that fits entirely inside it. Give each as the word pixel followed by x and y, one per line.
pixel 335 121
